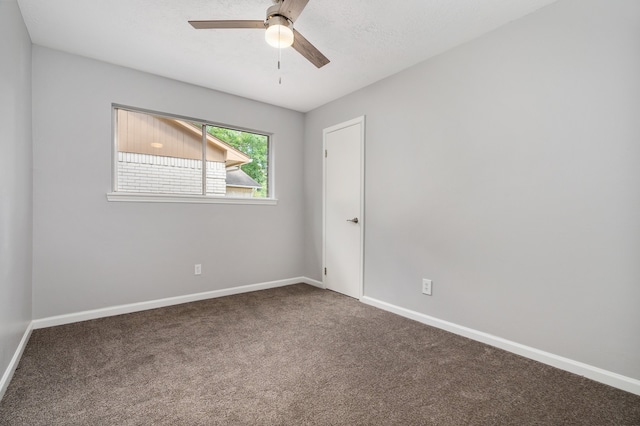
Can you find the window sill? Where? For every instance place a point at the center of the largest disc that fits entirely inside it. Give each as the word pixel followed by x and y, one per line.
pixel 176 198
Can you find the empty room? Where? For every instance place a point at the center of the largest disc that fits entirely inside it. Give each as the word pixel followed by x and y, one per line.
pixel 320 212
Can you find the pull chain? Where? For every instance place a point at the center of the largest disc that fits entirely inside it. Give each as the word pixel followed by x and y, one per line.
pixel 279 60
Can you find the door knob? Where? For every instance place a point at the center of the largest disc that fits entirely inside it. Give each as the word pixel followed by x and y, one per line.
pixel 354 220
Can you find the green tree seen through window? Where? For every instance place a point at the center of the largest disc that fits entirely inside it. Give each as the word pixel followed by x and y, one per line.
pixel 253 145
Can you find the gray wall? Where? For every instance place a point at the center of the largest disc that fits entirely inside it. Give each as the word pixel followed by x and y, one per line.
pixel 507 170
pixel 90 253
pixel 15 180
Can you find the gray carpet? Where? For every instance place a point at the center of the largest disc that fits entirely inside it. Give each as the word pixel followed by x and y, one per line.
pixel 295 355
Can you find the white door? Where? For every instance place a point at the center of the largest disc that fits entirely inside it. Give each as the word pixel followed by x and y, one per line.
pixel 343 207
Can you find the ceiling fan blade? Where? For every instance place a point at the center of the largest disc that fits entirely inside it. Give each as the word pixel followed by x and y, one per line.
pixel 201 25
pixel 292 8
pixel 308 50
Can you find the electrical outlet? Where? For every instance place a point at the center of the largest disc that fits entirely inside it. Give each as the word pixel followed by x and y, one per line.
pixel 426 286
pixel 198 269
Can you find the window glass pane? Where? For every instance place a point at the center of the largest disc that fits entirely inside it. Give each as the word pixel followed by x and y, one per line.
pixel 157 154
pixel 161 154
pixel 246 161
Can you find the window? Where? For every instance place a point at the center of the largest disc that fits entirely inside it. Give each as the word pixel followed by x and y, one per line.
pixel 160 156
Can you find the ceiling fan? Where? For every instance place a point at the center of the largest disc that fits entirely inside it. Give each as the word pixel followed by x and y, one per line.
pixel 279 29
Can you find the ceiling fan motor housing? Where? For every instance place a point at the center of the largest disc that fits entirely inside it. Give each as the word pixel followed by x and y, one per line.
pixel 278 20
pixel 274 12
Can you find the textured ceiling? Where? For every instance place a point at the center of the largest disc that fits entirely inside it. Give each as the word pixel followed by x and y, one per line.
pixel 366 40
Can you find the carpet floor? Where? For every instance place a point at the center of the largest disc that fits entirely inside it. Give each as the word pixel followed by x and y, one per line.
pixel 294 355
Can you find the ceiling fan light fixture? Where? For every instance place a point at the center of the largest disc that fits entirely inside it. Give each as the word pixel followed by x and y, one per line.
pixel 279 33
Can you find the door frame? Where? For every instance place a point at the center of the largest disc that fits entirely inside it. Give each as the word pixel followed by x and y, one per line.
pixel 361 216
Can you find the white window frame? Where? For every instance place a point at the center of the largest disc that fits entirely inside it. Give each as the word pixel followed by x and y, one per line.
pixel 140 197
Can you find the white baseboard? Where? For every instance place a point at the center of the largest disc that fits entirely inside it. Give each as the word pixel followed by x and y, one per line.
pixel 594 373
pixel 160 303
pixel 314 283
pixel 13 364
